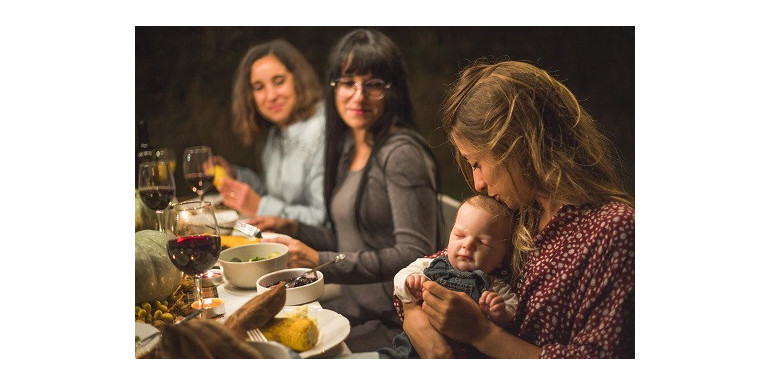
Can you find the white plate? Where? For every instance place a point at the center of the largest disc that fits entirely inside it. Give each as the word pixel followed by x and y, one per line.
pixel 333 328
pixel 267 235
pixel 272 349
pixel 214 198
pixel 144 330
pixel 226 217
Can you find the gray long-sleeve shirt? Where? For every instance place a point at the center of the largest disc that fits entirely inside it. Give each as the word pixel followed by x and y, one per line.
pixel 400 210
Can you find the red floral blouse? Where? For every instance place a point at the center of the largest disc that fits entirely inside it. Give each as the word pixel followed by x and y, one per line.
pixel 576 295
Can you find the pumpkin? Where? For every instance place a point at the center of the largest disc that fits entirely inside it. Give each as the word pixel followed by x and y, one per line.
pixel 144 217
pixel 155 276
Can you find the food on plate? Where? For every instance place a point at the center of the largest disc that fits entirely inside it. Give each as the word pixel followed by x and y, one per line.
pixel 155 277
pixel 200 338
pixel 257 312
pixel 235 240
pixel 258 258
pixel 297 330
pixel 302 281
pixel 219 175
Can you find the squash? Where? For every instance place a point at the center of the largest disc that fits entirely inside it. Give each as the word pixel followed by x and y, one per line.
pixel 155 277
pixel 144 217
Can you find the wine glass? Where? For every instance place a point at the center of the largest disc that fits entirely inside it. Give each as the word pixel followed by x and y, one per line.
pixel 198 168
pixel 194 242
pixel 167 154
pixel 156 187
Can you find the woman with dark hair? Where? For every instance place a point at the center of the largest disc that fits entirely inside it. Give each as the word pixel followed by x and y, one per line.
pixel 276 89
pixel 380 187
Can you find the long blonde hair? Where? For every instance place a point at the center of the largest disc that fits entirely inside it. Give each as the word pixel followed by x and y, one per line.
pixel 526 120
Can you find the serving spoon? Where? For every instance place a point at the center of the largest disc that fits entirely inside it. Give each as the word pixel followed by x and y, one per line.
pixel 294 281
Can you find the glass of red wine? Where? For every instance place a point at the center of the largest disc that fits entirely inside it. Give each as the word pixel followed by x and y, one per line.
pixel 194 242
pixel 156 187
pixel 198 168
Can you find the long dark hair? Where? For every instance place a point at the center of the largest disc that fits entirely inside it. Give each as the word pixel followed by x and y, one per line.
pixel 247 121
pixel 364 51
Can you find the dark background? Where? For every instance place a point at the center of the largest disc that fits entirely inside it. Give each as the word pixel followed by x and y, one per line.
pixel 184 79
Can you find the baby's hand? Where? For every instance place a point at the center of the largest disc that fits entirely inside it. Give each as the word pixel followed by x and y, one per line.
pixel 494 307
pixel 414 284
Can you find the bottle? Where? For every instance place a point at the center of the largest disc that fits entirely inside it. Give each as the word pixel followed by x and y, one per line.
pixel 144 152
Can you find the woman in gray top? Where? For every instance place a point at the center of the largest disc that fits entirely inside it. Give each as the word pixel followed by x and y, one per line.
pixel 379 185
pixel 276 89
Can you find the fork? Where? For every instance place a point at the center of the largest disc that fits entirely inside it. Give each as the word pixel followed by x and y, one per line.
pixel 256 335
pixel 248 229
pixel 192 315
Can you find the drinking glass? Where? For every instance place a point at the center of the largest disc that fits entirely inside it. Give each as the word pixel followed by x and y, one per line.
pixel 198 168
pixel 194 242
pixel 167 154
pixel 156 187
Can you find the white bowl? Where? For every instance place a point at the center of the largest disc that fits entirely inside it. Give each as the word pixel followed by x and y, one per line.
pixel 226 218
pixel 245 274
pixel 294 295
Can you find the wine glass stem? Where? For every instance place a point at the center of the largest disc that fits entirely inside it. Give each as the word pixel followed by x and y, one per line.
pixel 159 216
pixel 198 290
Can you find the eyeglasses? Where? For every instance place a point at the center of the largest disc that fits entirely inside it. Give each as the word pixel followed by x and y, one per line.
pixel 373 88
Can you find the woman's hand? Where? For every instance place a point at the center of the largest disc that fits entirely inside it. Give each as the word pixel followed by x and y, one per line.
pixel 239 196
pixel 458 317
pixel 276 225
pixel 425 339
pixel 300 254
pixel 454 314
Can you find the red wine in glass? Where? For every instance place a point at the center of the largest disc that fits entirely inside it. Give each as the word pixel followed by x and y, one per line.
pixel 194 254
pixel 156 198
pixel 193 244
pixel 156 187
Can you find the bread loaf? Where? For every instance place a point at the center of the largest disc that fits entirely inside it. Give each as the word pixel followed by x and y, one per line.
pixel 257 312
pixel 200 338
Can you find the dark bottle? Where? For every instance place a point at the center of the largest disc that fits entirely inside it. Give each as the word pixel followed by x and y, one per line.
pixel 144 152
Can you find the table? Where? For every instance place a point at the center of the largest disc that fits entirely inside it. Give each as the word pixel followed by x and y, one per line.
pixel 235 297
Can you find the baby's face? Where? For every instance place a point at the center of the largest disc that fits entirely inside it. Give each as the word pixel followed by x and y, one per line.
pixel 477 242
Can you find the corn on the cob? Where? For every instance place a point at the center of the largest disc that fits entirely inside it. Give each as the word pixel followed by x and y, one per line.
pixel 219 175
pixel 228 241
pixel 297 333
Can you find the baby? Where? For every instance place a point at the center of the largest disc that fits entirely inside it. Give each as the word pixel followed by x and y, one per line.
pixel 476 261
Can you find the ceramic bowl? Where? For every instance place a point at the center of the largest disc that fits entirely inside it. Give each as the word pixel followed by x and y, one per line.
pixel 294 295
pixel 244 274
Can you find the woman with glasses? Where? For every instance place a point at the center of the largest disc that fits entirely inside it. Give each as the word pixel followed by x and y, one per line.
pixel 277 90
pixel 380 189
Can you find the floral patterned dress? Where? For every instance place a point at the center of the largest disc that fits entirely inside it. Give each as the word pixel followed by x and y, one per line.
pixel 576 292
